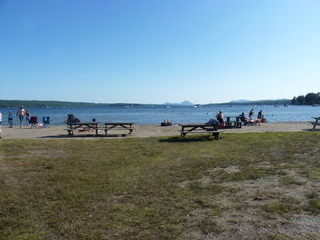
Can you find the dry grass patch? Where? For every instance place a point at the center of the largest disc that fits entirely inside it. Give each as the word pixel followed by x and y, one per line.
pixel 246 186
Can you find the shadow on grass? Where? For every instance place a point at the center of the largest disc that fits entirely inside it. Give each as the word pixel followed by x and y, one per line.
pixel 87 136
pixel 188 139
pixel 312 130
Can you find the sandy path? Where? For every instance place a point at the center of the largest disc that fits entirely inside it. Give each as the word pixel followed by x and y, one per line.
pixel 150 130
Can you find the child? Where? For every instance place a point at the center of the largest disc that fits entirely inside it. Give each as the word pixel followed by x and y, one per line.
pixel 10 119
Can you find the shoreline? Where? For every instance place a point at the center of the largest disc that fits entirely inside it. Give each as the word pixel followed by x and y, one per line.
pixel 145 130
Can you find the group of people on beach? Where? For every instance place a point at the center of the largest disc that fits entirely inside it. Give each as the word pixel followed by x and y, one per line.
pixel 21 114
pixel 251 120
pixel 247 121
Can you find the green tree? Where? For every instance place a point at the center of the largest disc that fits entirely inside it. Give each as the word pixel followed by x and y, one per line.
pixel 294 101
pixel 301 100
pixel 311 98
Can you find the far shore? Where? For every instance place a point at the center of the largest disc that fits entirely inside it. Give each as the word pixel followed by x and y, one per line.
pixel 146 130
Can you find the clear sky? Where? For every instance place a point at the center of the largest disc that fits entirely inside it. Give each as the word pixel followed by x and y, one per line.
pixel 154 51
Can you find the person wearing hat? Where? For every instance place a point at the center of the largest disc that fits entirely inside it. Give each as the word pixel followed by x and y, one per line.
pixel 21 112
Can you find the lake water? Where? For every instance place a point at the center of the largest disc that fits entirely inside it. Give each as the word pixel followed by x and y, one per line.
pixel 156 114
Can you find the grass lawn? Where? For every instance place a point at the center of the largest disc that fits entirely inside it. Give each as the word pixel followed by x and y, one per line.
pixel 246 186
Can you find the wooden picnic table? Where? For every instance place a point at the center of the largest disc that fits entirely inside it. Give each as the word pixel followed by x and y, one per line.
pixel 118 126
pixel 200 128
pixel 96 126
pixel 233 123
pixel 316 122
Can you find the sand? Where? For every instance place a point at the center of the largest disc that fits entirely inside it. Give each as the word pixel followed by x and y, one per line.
pixel 146 130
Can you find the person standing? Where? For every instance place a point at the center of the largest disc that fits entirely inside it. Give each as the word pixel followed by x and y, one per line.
pixel 21 114
pixel 251 114
pixel 10 119
pixel 28 115
pixel 0 125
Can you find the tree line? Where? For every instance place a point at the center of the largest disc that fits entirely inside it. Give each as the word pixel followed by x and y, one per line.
pixel 58 104
pixel 309 99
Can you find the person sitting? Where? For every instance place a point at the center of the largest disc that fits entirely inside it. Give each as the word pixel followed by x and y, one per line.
pixel 244 119
pixel 213 121
pixel 166 123
pixel 94 125
pixel 254 122
pixel 220 119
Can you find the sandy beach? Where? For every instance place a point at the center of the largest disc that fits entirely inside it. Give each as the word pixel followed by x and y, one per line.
pixel 146 130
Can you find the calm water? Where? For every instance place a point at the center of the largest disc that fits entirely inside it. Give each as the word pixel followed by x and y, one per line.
pixel 155 115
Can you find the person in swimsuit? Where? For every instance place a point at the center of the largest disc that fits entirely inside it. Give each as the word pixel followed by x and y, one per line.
pixel 21 114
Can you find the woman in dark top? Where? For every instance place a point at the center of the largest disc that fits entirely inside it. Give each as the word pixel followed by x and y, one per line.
pixel 220 119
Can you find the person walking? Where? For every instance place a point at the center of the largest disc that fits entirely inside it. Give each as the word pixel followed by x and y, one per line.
pixel 21 112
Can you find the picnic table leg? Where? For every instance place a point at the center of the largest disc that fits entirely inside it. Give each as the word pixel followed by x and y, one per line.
pixel 315 123
pixel 70 132
pixel 216 136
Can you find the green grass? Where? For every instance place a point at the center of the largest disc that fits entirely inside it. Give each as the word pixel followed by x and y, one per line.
pixel 155 188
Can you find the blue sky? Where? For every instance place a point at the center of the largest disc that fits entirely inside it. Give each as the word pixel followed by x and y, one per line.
pixel 152 51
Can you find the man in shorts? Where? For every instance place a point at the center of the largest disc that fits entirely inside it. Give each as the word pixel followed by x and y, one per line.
pixel 21 112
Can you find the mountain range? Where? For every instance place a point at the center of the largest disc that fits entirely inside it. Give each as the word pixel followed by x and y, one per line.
pixel 184 103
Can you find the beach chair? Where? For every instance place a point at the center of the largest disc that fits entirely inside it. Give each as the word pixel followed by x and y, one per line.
pixel 33 122
pixel 45 121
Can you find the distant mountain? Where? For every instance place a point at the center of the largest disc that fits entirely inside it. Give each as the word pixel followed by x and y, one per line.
pixel 261 102
pixel 184 103
pixel 240 101
pixel 265 100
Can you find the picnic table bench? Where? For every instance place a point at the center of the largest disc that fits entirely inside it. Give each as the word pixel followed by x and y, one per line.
pixel 97 126
pixel 200 128
pixel 316 122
